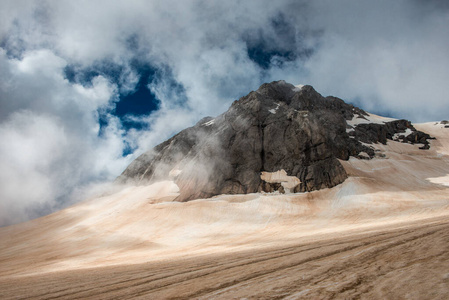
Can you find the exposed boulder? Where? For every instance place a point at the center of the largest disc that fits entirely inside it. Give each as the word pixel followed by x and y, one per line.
pixel 397 130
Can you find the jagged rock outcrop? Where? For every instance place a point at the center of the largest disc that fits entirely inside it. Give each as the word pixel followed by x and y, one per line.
pixel 398 130
pixel 278 127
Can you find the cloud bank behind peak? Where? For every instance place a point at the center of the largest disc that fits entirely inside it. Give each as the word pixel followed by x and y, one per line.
pixel 66 65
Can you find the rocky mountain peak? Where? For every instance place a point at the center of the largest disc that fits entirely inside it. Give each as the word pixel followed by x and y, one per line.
pixel 290 134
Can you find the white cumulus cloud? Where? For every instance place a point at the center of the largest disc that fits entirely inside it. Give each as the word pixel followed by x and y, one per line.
pixel 385 56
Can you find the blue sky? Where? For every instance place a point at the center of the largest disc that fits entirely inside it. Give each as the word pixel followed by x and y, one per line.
pixel 87 86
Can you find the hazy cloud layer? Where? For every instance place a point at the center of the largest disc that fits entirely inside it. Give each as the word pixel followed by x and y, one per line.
pixel 50 143
pixel 384 56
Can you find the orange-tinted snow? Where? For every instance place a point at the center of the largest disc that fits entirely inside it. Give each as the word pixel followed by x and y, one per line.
pixel 403 193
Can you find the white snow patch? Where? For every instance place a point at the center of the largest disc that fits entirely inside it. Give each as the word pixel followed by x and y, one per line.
pixel 407 132
pixel 370 118
pixel 298 87
pixel 174 173
pixel 287 182
pixel 274 110
pixel 443 180
pixel 364 154
pixel 209 123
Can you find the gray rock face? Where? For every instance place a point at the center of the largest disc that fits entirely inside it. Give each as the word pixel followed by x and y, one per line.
pixel 394 130
pixel 277 127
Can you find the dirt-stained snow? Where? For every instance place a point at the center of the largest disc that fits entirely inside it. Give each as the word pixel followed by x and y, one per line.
pixel 383 233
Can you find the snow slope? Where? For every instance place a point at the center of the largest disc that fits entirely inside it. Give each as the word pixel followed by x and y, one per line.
pixel 142 225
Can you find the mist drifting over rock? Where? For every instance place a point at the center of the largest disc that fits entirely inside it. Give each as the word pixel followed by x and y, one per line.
pixel 278 128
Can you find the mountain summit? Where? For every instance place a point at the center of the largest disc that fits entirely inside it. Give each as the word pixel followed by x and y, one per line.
pixel 389 214
pixel 281 137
